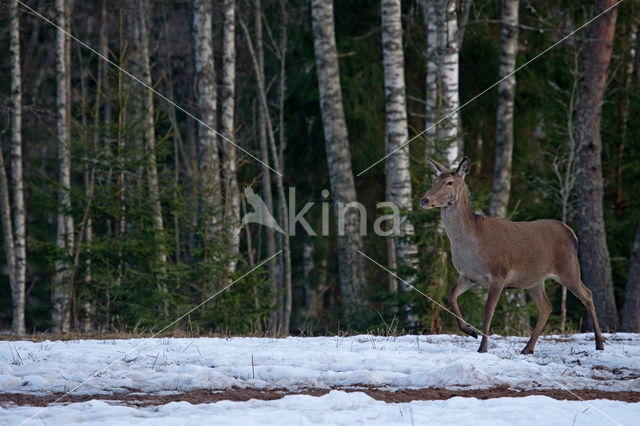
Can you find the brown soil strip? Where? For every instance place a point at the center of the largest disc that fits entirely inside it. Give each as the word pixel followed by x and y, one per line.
pixel 201 396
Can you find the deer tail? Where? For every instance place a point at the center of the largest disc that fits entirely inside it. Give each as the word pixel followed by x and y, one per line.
pixel 572 235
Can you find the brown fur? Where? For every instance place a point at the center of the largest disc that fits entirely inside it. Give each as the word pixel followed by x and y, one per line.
pixel 498 253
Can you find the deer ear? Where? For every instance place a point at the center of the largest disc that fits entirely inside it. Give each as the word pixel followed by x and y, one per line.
pixel 464 167
pixel 437 167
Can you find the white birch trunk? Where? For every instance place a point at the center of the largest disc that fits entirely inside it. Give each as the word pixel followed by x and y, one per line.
pixel 450 129
pixel 61 286
pixel 17 179
pixel 232 201
pixel 207 110
pixel 444 140
pixel 431 79
pixel 505 111
pixel 353 282
pixel 398 178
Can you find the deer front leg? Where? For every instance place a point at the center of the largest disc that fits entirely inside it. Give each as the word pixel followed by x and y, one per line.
pixel 463 284
pixel 492 300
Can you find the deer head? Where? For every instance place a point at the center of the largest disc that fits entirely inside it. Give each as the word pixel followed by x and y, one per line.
pixel 447 185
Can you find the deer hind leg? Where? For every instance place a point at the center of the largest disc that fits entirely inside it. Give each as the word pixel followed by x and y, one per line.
pixel 463 284
pixel 489 309
pixel 544 306
pixel 582 292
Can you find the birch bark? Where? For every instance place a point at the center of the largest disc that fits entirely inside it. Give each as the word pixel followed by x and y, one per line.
pixel 61 285
pixel 17 179
pixel 505 111
pixel 205 82
pixel 232 195
pixel 396 130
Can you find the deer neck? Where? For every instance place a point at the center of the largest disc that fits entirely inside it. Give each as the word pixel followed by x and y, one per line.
pixel 458 221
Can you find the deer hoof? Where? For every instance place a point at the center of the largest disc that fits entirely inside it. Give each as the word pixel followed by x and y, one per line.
pixel 482 349
pixel 527 351
pixel 474 334
pixel 599 346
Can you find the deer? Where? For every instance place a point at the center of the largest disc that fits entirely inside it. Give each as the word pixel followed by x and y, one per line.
pixel 497 253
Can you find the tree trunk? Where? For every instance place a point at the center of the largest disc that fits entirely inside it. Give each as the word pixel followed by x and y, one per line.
pixel 449 131
pixel 205 80
pixel 444 140
pixel 501 188
pixel 398 178
pixel 142 69
pixel 353 283
pixel 17 179
pixel 232 195
pixel 593 252
pixel 504 116
pixel 433 54
pixel 61 285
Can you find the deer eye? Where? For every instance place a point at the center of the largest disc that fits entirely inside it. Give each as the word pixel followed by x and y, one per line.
pixel 450 182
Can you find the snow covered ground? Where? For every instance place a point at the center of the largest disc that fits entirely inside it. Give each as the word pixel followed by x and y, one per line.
pixel 176 365
pixel 338 407
pixel 167 364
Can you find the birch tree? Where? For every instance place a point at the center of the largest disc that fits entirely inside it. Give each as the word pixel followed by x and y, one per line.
pixel 504 116
pixel 449 131
pixel 17 179
pixel 205 83
pixel 501 186
pixel 431 25
pixel 61 285
pixel 442 121
pixel 352 276
pixel 141 65
pixel 232 195
pixel 398 183
pixel 593 251
pixel 442 81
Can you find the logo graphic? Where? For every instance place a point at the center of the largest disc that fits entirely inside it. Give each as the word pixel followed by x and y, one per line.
pixel 392 222
pixel 260 214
